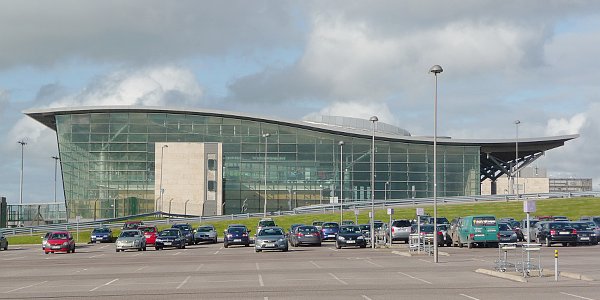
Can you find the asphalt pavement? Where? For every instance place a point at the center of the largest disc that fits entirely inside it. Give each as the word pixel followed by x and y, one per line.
pixel 209 271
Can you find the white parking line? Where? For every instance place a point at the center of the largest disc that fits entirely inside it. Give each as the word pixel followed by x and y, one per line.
pixel 13 258
pixel 336 278
pixel 423 280
pixel 315 264
pixel 138 254
pixel 472 298
pixel 366 298
pixel 140 268
pixel 80 270
pixel 217 252
pixel 199 267
pixel 176 253
pixel 576 296
pixel 333 249
pixel 24 287
pixel 96 256
pixel 108 283
pixel 257 267
pixel 104 246
pixel 184 282
pixel 424 260
pixel 373 263
pixel 260 280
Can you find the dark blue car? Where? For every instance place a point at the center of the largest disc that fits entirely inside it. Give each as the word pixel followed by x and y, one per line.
pixel 102 234
pixel 236 236
pixel 329 231
pixel 187 231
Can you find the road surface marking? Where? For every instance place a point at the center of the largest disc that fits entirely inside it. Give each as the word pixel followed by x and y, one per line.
pixel 24 287
pixel 257 267
pixel 217 252
pixel 96 256
pixel 140 268
pixel 108 283
pixel 470 297
pixel 373 263
pixel 184 282
pixel 260 280
pixel 315 264
pixel 336 278
pixel 576 296
pixel 427 261
pixel 104 246
pixel 176 253
pixel 199 267
pixel 423 280
pixel 14 258
pixel 81 270
pixel 366 298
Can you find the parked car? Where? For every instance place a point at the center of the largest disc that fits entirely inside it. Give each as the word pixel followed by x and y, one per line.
pixel 265 222
pixel 60 241
pixel 330 229
pixel 236 236
pixel 551 232
pixel 205 233
pixel 45 240
pixel 101 234
pixel 271 238
pixel 506 233
pixel 532 231
pixel 3 242
pixel 187 230
pixel 594 227
pixel 318 224
pixel 585 233
pixel 131 239
pixel 366 231
pixel 426 232
pixel 350 236
pixel 561 218
pixel 172 237
pixel 150 233
pixel 516 227
pixel 595 219
pixel 305 235
pixel 401 230
pixel 347 222
pixel 440 220
pixel 445 239
pixel 132 224
pixel 478 230
pixel 292 231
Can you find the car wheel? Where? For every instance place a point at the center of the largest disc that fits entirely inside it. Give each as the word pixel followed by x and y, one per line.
pixel 225 245
pixel 548 243
pixel 117 250
pixel 144 249
pixel 73 250
pixel 574 244
pixel 215 240
pixel 363 246
pixel 319 245
pixel 337 245
pixel 285 249
pixel 469 245
pixel 247 245
pixel 257 250
pixel 156 248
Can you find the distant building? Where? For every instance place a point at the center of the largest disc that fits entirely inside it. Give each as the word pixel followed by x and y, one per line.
pixel 570 184
pixel 533 179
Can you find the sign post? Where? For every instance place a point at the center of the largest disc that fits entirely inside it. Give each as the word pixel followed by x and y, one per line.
pixel 529 207
pixel 356 212
pixel 390 211
pixel 420 212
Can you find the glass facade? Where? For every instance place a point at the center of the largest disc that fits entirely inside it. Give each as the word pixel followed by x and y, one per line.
pixel 108 163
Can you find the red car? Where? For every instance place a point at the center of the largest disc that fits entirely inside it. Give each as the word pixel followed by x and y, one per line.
pixel 150 233
pixel 60 241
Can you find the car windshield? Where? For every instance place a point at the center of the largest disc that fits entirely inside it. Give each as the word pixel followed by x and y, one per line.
pixel 331 225
pixel 101 230
pixel 236 230
pixel 58 236
pixel 581 226
pixel 183 227
pixel 149 229
pixel 427 228
pixel 401 223
pixel 484 221
pixel 266 223
pixel 349 229
pixel 204 229
pixel 169 233
pixel 317 223
pixel 364 227
pixel 378 225
pixel 129 233
pixel 307 229
pixel 504 227
pixel 270 231
pixel 560 225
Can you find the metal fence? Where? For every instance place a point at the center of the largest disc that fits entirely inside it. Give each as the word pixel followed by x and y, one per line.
pixel 313 209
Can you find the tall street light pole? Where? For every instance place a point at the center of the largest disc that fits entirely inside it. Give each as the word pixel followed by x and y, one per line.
pixel 373 119
pixel 23 143
pixel 161 190
pixel 436 69
pixel 517 122
pixel 341 143
pixel 266 136
pixel 55 167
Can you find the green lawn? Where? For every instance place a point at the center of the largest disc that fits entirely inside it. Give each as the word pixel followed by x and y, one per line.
pixel 573 208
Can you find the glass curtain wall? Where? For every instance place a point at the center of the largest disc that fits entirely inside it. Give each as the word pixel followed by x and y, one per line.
pixel 108 163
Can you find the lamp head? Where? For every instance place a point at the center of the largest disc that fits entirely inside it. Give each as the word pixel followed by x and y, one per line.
pixel 436 69
pixel 341 143
pixel 373 119
pixel 266 135
pixel 517 122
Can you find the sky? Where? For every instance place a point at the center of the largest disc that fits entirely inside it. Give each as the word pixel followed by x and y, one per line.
pixel 533 61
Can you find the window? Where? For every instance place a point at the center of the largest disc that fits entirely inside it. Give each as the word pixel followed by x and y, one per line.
pixel 212 185
pixel 212 164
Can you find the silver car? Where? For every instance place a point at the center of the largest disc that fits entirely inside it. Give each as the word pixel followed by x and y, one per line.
pixel 271 238
pixel 131 239
pixel 401 230
pixel 205 233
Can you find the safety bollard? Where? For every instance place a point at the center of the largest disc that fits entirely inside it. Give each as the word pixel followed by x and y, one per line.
pixel 555 265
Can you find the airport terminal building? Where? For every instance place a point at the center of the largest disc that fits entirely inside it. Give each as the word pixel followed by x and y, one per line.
pixel 117 160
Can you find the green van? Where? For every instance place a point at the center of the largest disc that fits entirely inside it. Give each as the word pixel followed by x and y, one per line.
pixel 480 230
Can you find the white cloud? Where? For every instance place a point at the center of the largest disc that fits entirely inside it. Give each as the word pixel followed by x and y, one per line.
pixel 566 126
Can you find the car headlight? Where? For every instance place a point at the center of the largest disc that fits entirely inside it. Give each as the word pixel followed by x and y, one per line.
pixel 65 244
pixel 281 240
pixel 593 234
pixel 341 238
pixel 360 238
pixel 159 240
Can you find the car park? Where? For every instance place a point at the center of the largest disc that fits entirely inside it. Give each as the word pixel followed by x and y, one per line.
pixel 265 222
pixel 271 238
pixel 350 236
pixel 330 229
pixel 187 230
pixel 585 233
pixel 172 237
pixel 478 230
pixel 506 233
pixel 3 242
pixel 426 232
pixel 60 241
pixel 132 224
pixel 150 233
pixel 101 234
pixel 45 240
pixel 348 222
pixel 595 219
pixel 516 227
pixel 551 232
pixel 131 239
pixel 305 235
pixel 445 239
pixel 292 231
pixel 205 233
pixel 238 235
pixel 532 231
pixel 401 230
pixel 318 224
pixel 366 231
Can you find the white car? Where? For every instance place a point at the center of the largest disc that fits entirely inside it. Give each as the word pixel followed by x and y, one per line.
pixel 131 239
pixel 205 233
